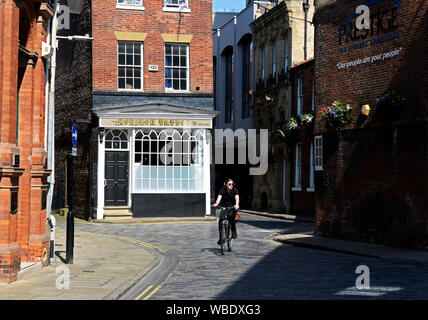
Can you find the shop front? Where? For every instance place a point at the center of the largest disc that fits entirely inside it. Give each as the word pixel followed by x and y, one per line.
pixel 154 161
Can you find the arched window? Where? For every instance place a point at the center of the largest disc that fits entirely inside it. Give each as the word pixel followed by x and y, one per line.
pixel 116 140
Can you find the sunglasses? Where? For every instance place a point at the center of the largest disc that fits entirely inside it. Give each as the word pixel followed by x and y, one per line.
pixel 230 184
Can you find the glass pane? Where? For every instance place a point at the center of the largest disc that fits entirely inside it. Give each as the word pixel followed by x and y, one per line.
pixel 175 50
pixel 121 59
pixel 121 47
pixel 168 83
pixel 177 172
pixel 137 49
pixel 129 72
pixel 129 60
pixel 137 84
pixel 175 61
pixel 183 73
pixel 185 173
pixel 121 72
pixel 183 61
pixel 183 85
pixel 137 60
pixel 192 185
pixel 129 48
pixel 145 185
pixel 168 73
pixel 184 185
pixel 116 145
pixel 175 73
pixel 168 61
pixel 129 84
pixel 183 50
pixel 138 186
pixel 121 83
pixel 138 157
pixel 176 85
pixel 137 73
pixel 167 49
pixel 108 145
pixel 161 186
pixel 124 145
pixel 168 173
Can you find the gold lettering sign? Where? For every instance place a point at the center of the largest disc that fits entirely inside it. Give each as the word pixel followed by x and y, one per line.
pixel 186 123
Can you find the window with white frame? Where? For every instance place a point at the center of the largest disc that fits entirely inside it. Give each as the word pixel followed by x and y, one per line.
pixel 175 3
pixel 116 140
pixel 168 160
pixel 130 65
pixel 286 53
pixel 274 58
pixel 311 169
pixel 298 168
pixel 177 67
pixel 130 2
pixel 300 95
pixel 318 153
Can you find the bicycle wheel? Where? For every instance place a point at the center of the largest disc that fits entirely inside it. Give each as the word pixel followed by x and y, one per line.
pixel 223 237
pixel 229 238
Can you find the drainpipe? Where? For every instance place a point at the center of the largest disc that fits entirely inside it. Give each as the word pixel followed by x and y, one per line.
pixel 51 132
pixel 306 9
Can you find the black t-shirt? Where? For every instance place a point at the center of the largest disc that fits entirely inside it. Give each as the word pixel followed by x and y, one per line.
pixel 228 198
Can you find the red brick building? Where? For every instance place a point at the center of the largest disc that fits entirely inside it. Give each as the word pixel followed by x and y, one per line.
pixel 372 175
pixel 150 71
pixel 301 148
pixel 24 236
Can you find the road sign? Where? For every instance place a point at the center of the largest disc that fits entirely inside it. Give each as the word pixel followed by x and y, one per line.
pixel 74 152
pixel 74 135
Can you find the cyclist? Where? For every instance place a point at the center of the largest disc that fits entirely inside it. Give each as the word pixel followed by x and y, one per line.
pixel 228 196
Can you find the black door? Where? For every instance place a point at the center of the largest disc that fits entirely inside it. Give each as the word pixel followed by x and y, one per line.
pixel 116 178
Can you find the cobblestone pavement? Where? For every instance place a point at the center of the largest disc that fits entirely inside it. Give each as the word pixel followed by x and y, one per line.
pixel 260 268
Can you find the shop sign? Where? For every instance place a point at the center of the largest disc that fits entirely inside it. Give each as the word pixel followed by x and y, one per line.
pixel 156 123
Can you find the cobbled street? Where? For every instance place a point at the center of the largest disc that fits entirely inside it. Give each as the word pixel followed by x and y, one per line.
pixel 260 268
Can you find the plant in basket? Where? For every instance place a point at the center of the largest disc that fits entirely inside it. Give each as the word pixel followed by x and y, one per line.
pixel 337 115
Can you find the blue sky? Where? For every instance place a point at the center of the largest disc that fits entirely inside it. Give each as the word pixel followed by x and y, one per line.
pixel 237 5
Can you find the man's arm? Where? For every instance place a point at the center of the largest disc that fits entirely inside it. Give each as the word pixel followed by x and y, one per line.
pixel 237 202
pixel 217 202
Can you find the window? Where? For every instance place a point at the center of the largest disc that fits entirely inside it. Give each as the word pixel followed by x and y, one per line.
pixel 246 74
pixel 130 2
pixel 168 160
pixel 300 95
pixel 311 170
pixel 229 94
pixel 175 3
pixel 274 58
pixel 263 63
pixel 318 153
pixel 116 140
pixel 298 168
pixel 286 53
pixel 177 67
pixel 130 65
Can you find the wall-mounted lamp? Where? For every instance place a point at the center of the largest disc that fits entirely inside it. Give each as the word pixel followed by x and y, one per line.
pixel 365 109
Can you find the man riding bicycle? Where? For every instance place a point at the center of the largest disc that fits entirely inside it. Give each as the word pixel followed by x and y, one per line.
pixel 228 196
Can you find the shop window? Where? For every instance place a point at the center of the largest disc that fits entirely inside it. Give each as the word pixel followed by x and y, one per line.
pixel 130 65
pixel 168 160
pixel 318 153
pixel 298 168
pixel 177 67
pixel 116 140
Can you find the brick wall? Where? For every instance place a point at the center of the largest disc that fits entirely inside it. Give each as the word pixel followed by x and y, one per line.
pixel 374 183
pixel 73 100
pixel 153 21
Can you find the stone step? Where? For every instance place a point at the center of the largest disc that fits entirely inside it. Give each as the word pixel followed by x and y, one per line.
pixel 117 212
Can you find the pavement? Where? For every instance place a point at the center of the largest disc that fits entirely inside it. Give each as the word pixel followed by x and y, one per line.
pixel 104 267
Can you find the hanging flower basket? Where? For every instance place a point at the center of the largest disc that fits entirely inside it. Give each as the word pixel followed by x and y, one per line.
pixel 308 118
pixel 391 104
pixel 294 123
pixel 337 115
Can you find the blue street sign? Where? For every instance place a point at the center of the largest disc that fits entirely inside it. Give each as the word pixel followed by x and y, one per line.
pixel 74 135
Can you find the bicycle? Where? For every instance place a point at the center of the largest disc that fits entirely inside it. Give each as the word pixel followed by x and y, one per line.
pixel 225 231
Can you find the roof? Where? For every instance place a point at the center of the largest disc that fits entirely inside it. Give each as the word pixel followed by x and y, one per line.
pixel 301 63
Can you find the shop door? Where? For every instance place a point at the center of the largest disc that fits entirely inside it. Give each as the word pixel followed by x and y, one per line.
pixel 116 178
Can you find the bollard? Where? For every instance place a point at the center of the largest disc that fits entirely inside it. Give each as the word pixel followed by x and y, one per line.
pixel 70 238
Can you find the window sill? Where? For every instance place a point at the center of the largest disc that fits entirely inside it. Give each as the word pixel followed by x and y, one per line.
pixel 128 7
pixel 176 9
pixel 130 90
pixel 176 91
pixel 296 189
pixel 312 189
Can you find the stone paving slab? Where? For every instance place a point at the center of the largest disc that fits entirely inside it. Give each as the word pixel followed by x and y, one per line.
pixel 359 248
pixel 104 267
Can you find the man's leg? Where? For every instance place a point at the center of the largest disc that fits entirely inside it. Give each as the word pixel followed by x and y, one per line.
pixel 220 223
pixel 232 222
